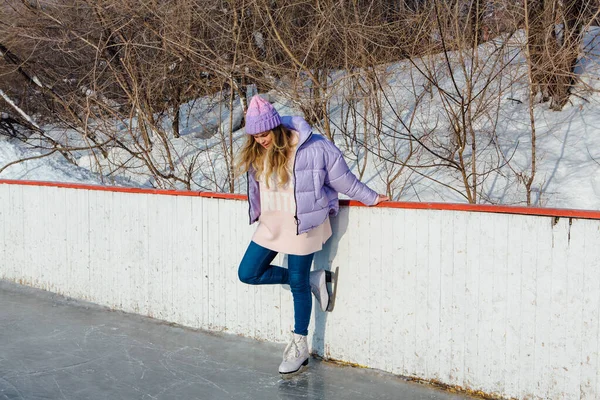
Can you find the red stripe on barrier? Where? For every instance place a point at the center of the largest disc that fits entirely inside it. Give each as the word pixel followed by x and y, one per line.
pixel 119 189
pixel 486 208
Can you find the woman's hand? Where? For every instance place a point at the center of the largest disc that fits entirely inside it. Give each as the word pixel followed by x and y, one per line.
pixel 380 198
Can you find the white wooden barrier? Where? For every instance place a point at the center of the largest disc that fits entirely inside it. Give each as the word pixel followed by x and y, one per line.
pixel 500 303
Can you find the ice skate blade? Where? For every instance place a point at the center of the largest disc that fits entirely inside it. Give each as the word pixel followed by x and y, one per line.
pixel 328 279
pixel 288 375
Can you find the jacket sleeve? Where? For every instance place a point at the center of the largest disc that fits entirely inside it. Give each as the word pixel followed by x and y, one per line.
pixel 253 196
pixel 342 180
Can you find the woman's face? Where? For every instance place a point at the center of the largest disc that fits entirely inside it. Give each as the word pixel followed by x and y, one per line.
pixel 264 139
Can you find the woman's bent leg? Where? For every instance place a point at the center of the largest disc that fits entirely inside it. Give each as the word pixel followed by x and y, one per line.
pixel 256 268
pixel 299 268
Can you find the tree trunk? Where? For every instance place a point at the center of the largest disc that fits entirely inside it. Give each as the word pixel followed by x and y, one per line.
pixel 565 78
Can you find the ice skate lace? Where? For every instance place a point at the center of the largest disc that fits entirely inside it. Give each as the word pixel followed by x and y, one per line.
pixel 291 351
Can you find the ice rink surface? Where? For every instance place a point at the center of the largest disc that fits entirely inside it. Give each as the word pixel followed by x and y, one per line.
pixel 57 348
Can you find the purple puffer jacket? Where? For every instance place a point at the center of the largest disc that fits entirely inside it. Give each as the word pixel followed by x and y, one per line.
pixel 320 173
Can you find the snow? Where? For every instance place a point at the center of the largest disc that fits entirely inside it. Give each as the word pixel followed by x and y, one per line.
pixel 54 168
pixel 567 145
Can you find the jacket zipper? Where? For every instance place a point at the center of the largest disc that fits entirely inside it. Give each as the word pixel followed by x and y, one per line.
pixel 296 220
pixel 248 194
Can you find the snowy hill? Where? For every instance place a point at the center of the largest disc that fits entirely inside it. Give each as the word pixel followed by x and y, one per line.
pixel 567 147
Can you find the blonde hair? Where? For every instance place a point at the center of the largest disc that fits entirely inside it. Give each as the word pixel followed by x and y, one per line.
pixel 277 157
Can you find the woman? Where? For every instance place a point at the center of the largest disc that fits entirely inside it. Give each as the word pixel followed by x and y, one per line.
pixel 294 177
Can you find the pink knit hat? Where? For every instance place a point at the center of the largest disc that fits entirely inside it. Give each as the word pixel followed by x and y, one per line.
pixel 261 116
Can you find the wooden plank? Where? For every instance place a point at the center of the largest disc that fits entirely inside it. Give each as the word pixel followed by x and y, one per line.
pixel 78 244
pixel 590 329
pixel 498 306
pixel 557 331
pixel 515 234
pixel 435 259
pixel 472 265
pixel 527 308
pixel 387 283
pixel 409 307
pixel 459 297
pixel 544 242
pixel 421 233
pixel 574 266
pixel 447 289
pixel 377 274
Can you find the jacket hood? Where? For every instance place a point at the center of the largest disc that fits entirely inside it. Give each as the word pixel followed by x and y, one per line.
pixel 299 125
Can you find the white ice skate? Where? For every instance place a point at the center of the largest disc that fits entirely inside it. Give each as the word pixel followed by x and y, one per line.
pixel 295 355
pixel 318 286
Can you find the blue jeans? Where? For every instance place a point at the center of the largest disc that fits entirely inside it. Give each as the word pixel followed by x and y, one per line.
pixel 256 269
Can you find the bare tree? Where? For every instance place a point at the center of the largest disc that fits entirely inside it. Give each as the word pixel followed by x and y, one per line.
pixel 554 32
pixel 128 80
